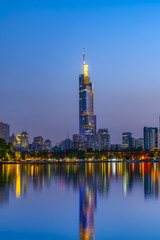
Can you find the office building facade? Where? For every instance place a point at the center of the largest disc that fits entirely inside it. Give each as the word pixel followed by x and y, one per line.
pixel 48 145
pixel 38 144
pixel 150 137
pixel 79 143
pixel 104 137
pixel 126 140
pixel 5 131
pixel 24 141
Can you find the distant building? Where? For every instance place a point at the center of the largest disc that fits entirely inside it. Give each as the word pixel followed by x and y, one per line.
pixel 79 143
pixel 127 140
pixel 100 140
pixel 140 143
pixel 24 140
pixel 38 144
pixel 18 141
pixel 150 138
pixel 134 143
pixel 94 142
pixel 115 147
pixel 66 144
pixel 5 131
pixel 13 140
pixel 48 145
pixel 63 145
pixel 104 138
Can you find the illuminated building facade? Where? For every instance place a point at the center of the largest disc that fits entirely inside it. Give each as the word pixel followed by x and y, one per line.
pixel 126 140
pixel 140 143
pixel 79 143
pixel 24 140
pixel 150 138
pixel 18 140
pixel 104 138
pixel 87 119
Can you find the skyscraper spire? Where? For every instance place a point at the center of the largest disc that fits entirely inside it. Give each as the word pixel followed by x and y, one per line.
pixel 83 56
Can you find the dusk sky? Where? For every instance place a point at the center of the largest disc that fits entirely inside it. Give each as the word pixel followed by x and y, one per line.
pixel 41 47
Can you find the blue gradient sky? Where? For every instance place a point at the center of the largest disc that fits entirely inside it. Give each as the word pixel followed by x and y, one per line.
pixel 41 46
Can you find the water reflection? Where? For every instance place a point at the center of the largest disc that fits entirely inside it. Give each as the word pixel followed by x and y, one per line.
pixel 89 179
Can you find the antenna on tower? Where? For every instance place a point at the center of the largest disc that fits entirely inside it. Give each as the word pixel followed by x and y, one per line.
pixel 83 56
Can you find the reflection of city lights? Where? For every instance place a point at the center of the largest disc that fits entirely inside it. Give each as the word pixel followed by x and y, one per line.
pixel 114 168
pixel 97 175
pixel 18 182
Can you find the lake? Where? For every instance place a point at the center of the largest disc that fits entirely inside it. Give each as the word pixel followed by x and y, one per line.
pixel 80 201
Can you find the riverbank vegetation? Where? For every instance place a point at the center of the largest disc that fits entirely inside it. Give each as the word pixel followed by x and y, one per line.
pixel 9 153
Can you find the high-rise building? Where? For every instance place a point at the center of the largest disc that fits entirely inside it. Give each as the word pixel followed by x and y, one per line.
pixel 63 145
pixel 66 144
pixel 126 140
pixel 100 140
pixel 24 140
pixel 48 145
pixel 79 143
pixel 87 119
pixel 140 143
pixel 94 142
pixel 38 144
pixel 150 137
pixel 13 140
pixel 104 138
pixel 5 131
pixel 18 140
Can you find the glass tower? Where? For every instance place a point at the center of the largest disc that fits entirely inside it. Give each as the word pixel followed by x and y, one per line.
pixel 87 119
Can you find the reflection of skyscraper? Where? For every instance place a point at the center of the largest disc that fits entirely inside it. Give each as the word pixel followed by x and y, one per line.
pixel 87 119
pixel 87 206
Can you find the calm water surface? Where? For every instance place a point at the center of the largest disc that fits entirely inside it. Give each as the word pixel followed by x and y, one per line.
pixel 80 201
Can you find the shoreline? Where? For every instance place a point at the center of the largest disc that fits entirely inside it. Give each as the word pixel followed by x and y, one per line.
pixel 46 162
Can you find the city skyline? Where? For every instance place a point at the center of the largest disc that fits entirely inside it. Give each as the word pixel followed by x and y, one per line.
pixel 39 72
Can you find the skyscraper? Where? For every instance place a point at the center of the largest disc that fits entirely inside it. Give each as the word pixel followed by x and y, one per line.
pixel 48 145
pixel 4 131
pixel 150 138
pixel 87 119
pixel 38 144
pixel 126 140
pixel 24 140
pixel 104 138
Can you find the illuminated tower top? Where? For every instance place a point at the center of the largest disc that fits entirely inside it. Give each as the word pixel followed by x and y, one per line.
pixel 85 66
